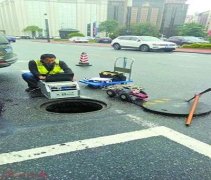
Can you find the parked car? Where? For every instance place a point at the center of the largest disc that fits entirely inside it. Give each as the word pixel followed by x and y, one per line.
pixel 17 37
pixel 181 40
pixel 79 39
pixel 163 39
pixel 43 37
pixel 104 40
pixel 90 38
pixel 7 57
pixel 56 37
pixel 11 38
pixel 25 37
pixel 142 43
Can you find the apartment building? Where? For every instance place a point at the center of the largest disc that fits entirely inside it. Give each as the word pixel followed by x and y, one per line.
pixel 174 14
pixel 204 18
pixel 86 15
pixel 143 11
pixel 15 15
pixel 117 10
pixel 166 15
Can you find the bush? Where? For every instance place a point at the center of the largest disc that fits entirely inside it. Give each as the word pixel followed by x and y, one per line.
pixel 201 46
pixel 75 34
pixel 92 41
pixel 60 39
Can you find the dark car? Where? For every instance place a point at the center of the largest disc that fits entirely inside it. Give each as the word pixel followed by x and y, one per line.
pixel 25 37
pixel 7 57
pixel 11 38
pixel 104 40
pixel 181 40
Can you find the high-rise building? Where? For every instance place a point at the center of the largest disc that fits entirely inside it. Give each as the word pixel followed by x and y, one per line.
pixel 174 14
pixel 166 15
pixel 15 15
pixel 143 11
pixel 117 10
pixel 192 18
pixel 204 19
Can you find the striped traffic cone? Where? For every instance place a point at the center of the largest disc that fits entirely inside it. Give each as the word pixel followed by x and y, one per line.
pixel 84 60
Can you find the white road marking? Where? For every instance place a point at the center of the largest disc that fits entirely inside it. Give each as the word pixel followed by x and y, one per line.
pixel 185 140
pixel 19 61
pixel 141 121
pixel 52 150
pixel 136 119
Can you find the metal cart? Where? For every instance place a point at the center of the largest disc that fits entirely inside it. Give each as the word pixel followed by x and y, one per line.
pixel 122 64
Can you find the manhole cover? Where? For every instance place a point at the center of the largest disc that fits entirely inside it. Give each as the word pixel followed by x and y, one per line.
pixel 176 107
pixel 74 106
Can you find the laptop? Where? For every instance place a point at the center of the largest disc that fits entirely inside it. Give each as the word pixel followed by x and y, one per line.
pixel 59 77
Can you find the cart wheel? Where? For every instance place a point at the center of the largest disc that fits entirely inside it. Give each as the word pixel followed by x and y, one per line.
pixel 125 97
pixel 111 93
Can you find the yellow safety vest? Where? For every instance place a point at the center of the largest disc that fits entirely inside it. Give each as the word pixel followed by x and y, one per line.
pixel 42 70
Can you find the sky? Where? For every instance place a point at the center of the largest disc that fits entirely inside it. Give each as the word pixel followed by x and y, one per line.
pixel 195 5
pixel 198 6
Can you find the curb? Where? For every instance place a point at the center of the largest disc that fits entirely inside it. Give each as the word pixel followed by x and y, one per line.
pixel 194 52
pixel 78 44
pixel 108 45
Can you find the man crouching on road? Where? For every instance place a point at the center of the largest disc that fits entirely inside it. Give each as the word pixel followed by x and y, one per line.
pixel 39 69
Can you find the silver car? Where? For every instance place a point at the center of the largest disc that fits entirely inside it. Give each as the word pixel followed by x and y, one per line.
pixel 7 57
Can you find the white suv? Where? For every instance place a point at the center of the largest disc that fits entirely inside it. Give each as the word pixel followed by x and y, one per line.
pixel 143 43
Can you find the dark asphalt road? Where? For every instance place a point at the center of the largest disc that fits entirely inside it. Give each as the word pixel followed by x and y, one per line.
pixel 23 125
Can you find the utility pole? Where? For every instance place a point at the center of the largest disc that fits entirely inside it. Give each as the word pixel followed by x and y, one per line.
pixel 47 27
pixel 128 19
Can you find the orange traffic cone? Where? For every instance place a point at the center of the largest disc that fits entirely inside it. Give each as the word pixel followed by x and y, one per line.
pixel 84 60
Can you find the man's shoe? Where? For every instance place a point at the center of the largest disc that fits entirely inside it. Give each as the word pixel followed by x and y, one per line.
pixel 30 89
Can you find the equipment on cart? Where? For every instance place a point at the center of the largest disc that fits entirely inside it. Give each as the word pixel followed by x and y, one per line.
pixel 114 75
pixel 122 66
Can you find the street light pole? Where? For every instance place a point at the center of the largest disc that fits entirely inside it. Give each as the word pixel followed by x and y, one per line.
pixel 47 28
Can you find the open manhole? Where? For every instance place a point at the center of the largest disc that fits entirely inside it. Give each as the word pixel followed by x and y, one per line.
pixel 74 106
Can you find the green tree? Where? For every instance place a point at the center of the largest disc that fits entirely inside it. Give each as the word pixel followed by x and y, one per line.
pixel 109 27
pixel 209 39
pixel 191 29
pixel 74 34
pixel 144 29
pixel 33 30
pixel 119 32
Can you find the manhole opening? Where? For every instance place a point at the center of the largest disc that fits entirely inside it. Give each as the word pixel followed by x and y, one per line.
pixel 74 106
